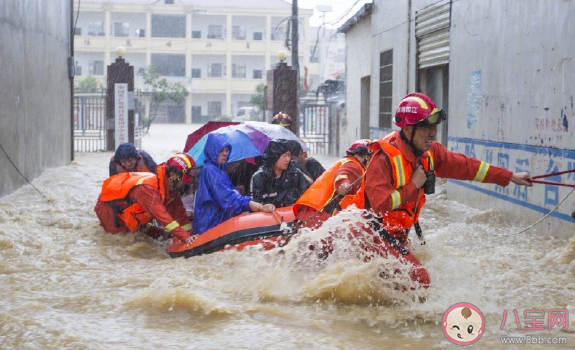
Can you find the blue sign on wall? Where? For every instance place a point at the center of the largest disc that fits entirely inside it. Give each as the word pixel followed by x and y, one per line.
pixel 519 158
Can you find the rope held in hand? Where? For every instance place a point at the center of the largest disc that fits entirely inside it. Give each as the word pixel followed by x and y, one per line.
pixel 532 179
pixel 558 204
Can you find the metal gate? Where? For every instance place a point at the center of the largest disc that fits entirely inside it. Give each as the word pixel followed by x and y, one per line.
pixel 314 128
pixel 89 122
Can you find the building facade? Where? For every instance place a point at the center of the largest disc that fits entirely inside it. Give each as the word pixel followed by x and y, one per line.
pixel 35 89
pixel 501 71
pixel 219 50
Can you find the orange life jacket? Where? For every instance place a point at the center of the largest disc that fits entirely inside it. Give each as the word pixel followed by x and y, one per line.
pixel 323 190
pixel 401 217
pixel 140 166
pixel 118 186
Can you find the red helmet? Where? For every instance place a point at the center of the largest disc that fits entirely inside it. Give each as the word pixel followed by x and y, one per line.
pixel 182 162
pixel 417 108
pixel 282 119
pixel 360 147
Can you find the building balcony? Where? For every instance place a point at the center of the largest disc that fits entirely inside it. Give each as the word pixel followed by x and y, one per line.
pixel 168 45
pixel 244 86
pixel 131 44
pixel 209 46
pixel 178 45
pixel 219 85
pixel 89 43
pixel 257 47
pixel 208 85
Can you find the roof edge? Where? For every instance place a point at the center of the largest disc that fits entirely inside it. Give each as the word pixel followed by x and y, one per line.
pixel 363 12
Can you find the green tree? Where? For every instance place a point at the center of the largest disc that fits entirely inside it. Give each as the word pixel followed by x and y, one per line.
pixel 88 85
pixel 159 90
pixel 258 99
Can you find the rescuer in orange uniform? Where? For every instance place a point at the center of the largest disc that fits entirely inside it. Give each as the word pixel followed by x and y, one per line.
pixel 129 201
pixel 334 190
pixel 403 170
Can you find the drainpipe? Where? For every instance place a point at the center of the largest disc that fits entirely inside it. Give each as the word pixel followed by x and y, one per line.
pixel 71 73
pixel 408 45
pixel 295 62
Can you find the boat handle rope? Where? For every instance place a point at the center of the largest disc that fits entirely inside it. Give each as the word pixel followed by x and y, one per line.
pixel 277 218
pixel 531 179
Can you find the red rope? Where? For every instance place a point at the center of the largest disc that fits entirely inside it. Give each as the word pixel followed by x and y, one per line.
pixel 551 183
pixel 532 179
pixel 553 174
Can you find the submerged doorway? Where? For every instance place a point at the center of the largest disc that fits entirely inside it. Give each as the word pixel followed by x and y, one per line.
pixel 364 101
pixel 433 82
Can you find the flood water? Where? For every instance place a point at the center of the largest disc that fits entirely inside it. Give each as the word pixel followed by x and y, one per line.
pixel 65 284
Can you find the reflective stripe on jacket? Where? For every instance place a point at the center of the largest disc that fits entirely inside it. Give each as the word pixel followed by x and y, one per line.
pixel 401 216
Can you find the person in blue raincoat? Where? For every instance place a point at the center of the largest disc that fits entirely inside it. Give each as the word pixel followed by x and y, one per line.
pixel 217 199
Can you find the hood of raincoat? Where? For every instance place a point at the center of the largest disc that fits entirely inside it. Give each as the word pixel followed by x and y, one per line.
pixel 214 145
pixel 126 151
pixel 274 151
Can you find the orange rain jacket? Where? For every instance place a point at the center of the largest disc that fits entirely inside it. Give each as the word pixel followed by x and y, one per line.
pixel 389 192
pixel 130 200
pixel 323 190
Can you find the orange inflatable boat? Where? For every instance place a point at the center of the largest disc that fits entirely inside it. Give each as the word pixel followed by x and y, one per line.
pixel 239 232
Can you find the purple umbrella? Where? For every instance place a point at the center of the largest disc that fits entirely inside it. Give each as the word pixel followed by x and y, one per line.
pixel 247 140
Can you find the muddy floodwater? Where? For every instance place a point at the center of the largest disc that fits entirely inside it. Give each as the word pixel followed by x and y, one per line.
pixel 65 284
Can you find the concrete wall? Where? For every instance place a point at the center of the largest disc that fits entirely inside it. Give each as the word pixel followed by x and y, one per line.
pixel 390 30
pixel 512 67
pixel 511 97
pixel 35 124
pixel 512 101
pixel 358 62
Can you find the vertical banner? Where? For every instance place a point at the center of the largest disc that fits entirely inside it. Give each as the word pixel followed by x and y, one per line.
pixel 121 113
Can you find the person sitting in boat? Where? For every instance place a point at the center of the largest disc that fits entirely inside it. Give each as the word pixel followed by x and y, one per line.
pixel 217 200
pixel 129 201
pixel 336 188
pixel 307 165
pixel 240 173
pixel 403 169
pixel 278 181
pixel 129 158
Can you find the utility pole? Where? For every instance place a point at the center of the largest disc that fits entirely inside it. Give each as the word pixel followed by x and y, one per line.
pixel 294 37
pixel 295 61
